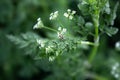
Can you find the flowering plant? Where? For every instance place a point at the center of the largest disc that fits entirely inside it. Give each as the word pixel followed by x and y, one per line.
pixel 73 40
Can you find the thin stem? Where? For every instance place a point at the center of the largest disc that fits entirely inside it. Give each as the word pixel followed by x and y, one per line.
pixel 50 29
pixel 86 43
pixel 60 23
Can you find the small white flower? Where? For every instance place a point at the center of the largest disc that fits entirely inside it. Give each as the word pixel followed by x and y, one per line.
pixel 49 49
pixel 73 12
pixel 59 28
pixel 41 43
pixel 53 15
pixel 56 12
pixel 117 45
pixel 51 58
pixel 38 41
pixel 66 15
pixel 39 19
pixel 70 17
pixel 112 72
pixel 69 10
pixel 69 14
pixel 116 75
pixel 39 24
pixel 114 68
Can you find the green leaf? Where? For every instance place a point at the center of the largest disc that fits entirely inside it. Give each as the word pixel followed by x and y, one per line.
pixel 111 31
pixel 107 8
pixel 89 26
pixel 80 20
pixel 84 7
pixel 26 41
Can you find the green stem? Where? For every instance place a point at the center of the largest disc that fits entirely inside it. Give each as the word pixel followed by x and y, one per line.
pixel 96 38
pixel 87 43
pixel 50 29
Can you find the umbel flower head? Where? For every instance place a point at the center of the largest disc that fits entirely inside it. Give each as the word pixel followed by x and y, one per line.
pixel 61 32
pixel 69 14
pixel 39 24
pixel 53 15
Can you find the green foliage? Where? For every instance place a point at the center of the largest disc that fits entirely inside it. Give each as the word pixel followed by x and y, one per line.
pixel 26 41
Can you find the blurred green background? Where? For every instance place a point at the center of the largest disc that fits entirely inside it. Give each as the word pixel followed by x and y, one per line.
pixel 19 16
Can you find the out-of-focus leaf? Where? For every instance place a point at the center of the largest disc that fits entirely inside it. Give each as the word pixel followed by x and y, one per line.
pixel 84 7
pixel 89 26
pixel 80 20
pixel 111 31
pixel 107 8
pixel 113 14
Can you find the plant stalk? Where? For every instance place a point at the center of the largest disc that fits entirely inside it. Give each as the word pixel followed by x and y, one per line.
pixel 96 38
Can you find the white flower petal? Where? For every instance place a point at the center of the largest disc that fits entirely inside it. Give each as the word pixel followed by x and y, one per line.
pixel 66 14
pixel 70 17
pixel 69 10
pixel 39 19
pixel 73 12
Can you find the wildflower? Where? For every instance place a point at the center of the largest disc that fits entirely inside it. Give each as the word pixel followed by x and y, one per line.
pixel 69 14
pixel 53 15
pixel 49 49
pixel 61 32
pixel 39 24
pixel 41 43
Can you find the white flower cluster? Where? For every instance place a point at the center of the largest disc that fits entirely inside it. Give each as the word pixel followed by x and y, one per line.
pixel 115 71
pixel 51 58
pixel 61 32
pixel 41 43
pixel 69 14
pixel 49 49
pixel 39 24
pixel 53 15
